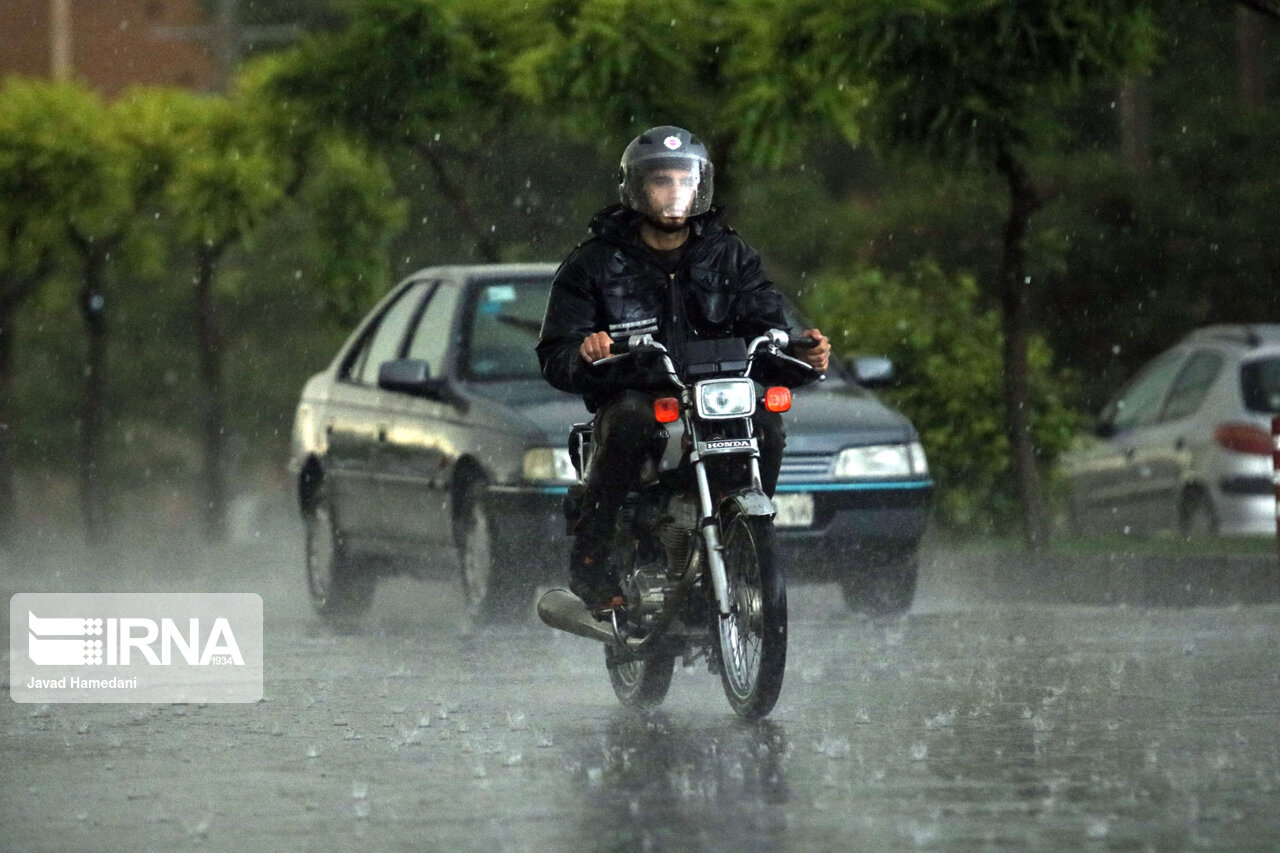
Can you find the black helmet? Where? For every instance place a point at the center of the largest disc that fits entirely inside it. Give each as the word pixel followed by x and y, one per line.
pixel 665 147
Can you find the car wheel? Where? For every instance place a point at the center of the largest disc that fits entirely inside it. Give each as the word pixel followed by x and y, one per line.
pixel 340 586
pixel 487 564
pixel 884 586
pixel 1196 516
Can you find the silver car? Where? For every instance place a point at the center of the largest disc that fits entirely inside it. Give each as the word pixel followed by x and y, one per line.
pixel 1186 447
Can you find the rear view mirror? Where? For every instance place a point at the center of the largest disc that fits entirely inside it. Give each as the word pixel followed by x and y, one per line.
pixel 872 371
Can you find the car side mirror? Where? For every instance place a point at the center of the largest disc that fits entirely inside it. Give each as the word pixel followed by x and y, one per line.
pixel 412 376
pixel 1105 429
pixel 872 371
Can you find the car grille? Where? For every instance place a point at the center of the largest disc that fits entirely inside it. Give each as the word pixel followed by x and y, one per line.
pixel 806 466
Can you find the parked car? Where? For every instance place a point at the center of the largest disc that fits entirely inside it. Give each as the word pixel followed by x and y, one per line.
pixel 432 446
pixel 1186 447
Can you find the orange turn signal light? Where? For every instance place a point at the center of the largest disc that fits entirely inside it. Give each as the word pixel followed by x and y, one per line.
pixel 777 399
pixel 666 410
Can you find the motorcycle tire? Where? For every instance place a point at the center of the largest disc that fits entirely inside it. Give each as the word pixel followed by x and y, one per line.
pixel 640 685
pixel 750 645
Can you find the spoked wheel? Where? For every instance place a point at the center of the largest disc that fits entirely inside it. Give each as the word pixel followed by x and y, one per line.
pixel 490 585
pixel 640 685
pixel 752 642
pixel 340 588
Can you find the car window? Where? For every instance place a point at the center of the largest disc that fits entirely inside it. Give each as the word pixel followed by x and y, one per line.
pixel 1260 385
pixel 1193 383
pixel 1140 402
pixel 503 323
pixel 430 341
pixel 382 342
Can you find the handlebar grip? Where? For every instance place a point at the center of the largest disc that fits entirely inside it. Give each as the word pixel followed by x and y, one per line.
pixel 804 342
pixel 621 347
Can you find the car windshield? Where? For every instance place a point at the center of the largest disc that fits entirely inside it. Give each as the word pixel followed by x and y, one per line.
pixel 1260 385
pixel 505 317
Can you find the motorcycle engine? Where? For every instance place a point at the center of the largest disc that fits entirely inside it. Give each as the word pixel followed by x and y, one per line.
pixel 650 584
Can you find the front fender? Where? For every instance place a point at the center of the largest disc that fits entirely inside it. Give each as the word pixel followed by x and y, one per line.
pixel 749 502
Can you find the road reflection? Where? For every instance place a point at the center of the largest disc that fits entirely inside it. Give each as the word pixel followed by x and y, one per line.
pixel 658 783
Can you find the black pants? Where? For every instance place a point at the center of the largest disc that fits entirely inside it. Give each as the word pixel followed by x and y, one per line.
pixel 623 436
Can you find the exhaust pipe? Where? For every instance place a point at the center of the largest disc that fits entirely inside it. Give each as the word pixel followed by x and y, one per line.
pixel 561 609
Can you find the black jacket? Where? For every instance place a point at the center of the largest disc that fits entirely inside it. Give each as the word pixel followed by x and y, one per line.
pixel 614 283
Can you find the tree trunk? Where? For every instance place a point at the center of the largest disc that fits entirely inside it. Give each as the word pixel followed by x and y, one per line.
pixel 1250 58
pixel 93 407
pixel 13 292
pixel 1135 123
pixel 1015 319
pixel 8 471
pixel 212 403
pixel 459 198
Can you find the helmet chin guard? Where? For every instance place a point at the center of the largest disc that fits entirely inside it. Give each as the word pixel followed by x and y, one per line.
pixel 666 174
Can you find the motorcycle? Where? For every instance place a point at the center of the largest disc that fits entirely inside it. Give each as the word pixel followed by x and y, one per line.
pixel 695 550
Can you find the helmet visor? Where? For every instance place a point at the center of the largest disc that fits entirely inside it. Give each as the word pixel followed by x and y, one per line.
pixel 670 187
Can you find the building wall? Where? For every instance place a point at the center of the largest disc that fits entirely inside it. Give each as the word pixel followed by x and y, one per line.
pixel 114 43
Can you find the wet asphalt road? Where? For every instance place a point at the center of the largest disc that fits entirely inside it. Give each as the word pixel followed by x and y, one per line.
pixel 967 725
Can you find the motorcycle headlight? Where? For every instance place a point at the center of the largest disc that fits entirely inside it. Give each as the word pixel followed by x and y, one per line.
pixel 549 464
pixel 725 398
pixel 882 460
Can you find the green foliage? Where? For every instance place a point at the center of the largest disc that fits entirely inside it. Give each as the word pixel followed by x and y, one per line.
pixel 947 350
pixel 403 71
pixel 61 166
pixel 354 214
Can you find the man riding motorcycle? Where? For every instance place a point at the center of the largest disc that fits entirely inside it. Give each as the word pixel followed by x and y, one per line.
pixel 660 262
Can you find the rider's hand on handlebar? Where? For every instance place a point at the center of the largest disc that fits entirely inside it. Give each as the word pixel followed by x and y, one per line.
pixel 817 356
pixel 595 347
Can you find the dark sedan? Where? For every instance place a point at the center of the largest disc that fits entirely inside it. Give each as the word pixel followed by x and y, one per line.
pixel 432 446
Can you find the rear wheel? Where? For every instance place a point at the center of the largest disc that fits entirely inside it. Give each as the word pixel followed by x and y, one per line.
pixel 491 587
pixel 751 643
pixel 639 684
pixel 341 588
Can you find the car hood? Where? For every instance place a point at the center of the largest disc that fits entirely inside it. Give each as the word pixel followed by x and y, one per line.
pixel 826 418
pixel 541 411
pixel 823 418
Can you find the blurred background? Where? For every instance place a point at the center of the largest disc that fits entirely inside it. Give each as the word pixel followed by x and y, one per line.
pixel 1019 202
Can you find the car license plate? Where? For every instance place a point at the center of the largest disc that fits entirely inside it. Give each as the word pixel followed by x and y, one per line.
pixel 794 509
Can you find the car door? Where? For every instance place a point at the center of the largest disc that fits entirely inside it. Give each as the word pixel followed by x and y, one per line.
pixel 1163 456
pixel 1109 484
pixel 358 420
pixel 420 450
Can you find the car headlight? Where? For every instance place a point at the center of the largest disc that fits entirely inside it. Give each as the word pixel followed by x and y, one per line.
pixel 882 460
pixel 549 464
pixel 726 398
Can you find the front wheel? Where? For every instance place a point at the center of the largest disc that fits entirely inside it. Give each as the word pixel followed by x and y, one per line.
pixel 492 583
pixel 884 586
pixel 341 588
pixel 751 647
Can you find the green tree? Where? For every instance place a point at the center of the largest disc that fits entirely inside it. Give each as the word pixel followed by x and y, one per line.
pixel 976 82
pixel 77 175
pixel 39 182
pixel 427 76
pixel 947 349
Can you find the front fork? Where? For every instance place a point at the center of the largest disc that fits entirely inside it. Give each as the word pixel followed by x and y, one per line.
pixel 711 534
